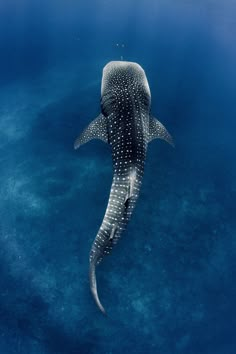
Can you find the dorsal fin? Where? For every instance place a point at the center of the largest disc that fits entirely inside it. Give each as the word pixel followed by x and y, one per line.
pixel 158 131
pixel 97 129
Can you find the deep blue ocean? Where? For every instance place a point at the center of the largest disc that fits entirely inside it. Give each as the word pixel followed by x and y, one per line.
pixel 169 285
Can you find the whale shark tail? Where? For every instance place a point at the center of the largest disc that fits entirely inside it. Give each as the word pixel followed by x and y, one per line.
pixel 93 285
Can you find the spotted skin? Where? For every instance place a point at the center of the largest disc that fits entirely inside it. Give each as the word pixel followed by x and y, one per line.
pixel 126 124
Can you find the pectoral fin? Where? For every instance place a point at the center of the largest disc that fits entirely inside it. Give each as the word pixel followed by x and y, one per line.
pixel 97 129
pixel 158 131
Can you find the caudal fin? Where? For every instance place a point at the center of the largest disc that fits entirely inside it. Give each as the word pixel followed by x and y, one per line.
pixel 93 286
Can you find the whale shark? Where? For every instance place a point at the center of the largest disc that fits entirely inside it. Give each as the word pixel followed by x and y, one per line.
pixel 127 125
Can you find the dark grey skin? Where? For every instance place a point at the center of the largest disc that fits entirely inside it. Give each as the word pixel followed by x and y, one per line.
pixel 127 125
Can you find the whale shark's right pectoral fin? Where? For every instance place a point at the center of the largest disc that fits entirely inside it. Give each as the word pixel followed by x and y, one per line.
pixel 158 131
pixel 97 129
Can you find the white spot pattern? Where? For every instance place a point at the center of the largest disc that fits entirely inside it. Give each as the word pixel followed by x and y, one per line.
pixel 126 105
pixel 125 123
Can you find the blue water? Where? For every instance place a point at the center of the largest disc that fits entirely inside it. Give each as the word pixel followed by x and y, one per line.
pixel 169 285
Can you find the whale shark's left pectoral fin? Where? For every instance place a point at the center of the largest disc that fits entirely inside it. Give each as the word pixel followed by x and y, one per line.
pixel 158 131
pixel 97 129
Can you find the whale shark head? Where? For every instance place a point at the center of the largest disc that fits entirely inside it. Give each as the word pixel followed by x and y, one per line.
pixel 120 76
